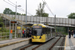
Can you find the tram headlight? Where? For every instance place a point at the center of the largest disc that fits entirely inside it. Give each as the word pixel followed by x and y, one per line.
pixel 40 37
pixel 32 37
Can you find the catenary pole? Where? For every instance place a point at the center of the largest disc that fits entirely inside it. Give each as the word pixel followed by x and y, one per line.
pixel 26 13
pixel 55 23
pixel 15 17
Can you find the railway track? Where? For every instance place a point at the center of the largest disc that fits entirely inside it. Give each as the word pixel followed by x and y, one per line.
pixel 54 43
pixel 62 44
pixel 33 46
pixel 49 45
pixel 37 46
pixel 26 47
pixel 58 44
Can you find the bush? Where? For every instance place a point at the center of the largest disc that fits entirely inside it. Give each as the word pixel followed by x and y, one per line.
pixel 1 24
pixel 2 29
pixel 1 19
pixel 65 33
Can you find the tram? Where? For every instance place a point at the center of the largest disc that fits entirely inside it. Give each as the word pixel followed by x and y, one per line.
pixel 42 33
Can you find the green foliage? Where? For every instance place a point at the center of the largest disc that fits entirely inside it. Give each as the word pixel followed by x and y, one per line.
pixel 45 14
pixel 9 11
pixel 1 19
pixel 40 11
pixel 63 30
pixel 13 13
pixel 65 33
pixel 72 16
pixel 4 30
pixel 23 14
pixel 1 24
pixel 18 14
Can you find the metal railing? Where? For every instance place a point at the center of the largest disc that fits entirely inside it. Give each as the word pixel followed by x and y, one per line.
pixel 50 20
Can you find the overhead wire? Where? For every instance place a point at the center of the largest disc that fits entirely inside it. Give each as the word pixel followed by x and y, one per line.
pixel 15 5
pixel 8 3
pixel 48 7
pixel 11 2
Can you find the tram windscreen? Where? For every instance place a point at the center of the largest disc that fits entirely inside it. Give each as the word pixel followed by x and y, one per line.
pixel 37 31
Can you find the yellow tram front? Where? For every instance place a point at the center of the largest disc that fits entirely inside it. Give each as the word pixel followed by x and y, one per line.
pixel 37 34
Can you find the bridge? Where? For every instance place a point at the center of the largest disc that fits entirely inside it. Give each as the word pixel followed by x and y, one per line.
pixel 65 22
pixel 17 42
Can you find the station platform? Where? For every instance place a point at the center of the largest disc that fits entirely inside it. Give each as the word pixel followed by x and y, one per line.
pixel 69 43
pixel 7 44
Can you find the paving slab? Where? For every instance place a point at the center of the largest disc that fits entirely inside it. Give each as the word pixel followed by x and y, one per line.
pixel 12 41
pixel 69 43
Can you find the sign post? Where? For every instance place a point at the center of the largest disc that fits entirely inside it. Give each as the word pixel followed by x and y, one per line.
pixel 11 31
pixel 10 35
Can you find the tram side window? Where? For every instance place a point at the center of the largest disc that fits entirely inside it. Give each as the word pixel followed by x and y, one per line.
pixel 48 30
pixel 44 31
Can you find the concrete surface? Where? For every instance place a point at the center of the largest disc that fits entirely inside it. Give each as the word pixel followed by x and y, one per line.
pixel 69 43
pixel 14 43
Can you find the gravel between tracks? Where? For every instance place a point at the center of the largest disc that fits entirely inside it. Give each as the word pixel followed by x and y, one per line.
pixel 56 47
pixel 30 48
pixel 21 47
pixel 47 45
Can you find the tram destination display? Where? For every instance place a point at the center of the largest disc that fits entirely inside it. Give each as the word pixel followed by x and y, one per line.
pixel 37 26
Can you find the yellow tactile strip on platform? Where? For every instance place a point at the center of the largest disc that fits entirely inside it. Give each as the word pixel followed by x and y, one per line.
pixel 2 45
pixel 65 43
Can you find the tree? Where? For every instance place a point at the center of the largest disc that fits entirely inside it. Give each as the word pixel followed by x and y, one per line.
pixel 72 16
pixel 45 14
pixel 7 11
pixel 40 11
pixel 23 14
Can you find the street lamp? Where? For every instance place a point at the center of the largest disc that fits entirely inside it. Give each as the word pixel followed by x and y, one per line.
pixel 16 16
pixel 16 9
pixel 26 13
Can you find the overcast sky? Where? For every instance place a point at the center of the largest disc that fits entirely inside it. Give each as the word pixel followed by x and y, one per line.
pixel 61 8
